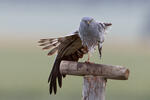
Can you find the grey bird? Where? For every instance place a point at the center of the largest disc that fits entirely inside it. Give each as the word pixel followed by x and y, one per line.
pixel 73 47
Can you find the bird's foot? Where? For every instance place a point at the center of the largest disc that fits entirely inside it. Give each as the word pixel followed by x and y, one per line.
pixel 87 61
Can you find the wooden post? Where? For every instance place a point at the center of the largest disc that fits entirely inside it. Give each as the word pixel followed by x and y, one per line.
pixel 94 88
pixel 95 76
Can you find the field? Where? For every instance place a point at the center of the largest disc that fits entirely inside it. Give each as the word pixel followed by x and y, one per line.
pixel 24 72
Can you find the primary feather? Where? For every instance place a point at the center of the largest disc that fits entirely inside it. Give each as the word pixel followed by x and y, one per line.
pixel 70 48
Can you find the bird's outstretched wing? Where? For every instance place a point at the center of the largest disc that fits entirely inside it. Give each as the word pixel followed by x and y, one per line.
pixel 69 48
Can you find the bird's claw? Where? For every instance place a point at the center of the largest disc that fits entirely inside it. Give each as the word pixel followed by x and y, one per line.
pixel 87 61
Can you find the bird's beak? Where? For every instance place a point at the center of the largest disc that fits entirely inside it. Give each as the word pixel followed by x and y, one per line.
pixel 89 22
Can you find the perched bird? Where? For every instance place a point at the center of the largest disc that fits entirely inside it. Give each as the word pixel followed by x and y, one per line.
pixel 73 47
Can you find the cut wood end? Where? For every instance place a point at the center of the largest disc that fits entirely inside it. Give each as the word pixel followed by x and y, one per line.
pixel 127 74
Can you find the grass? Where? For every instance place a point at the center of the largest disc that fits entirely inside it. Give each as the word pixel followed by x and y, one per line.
pixel 24 72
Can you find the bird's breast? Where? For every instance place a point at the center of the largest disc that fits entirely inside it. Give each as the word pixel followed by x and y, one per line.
pixel 89 36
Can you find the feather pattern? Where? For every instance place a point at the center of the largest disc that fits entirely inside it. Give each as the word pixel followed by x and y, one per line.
pixel 69 48
pixel 52 51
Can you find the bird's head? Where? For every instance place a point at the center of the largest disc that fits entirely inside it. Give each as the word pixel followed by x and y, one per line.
pixel 87 20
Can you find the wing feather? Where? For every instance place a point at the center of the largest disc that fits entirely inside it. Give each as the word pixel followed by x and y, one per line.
pixel 69 48
pixel 52 51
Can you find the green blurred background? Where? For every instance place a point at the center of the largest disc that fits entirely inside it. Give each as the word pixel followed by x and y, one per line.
pixel 24 67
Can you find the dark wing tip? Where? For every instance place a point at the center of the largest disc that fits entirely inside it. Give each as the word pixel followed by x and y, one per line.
pixel 53 85
pixel 100 52
pixel 107 24
pixel 60 80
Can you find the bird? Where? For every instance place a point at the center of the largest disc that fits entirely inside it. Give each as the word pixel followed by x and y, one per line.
pixel 72 47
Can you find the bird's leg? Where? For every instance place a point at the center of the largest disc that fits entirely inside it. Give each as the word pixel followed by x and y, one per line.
pixel 88 60
pixel 88 57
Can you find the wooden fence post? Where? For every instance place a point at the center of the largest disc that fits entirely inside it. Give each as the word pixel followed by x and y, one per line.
pixel 95 76
pixel 94 88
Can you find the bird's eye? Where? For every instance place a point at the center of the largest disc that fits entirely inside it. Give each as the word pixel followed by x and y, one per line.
pixel 85 21
pixel 91 20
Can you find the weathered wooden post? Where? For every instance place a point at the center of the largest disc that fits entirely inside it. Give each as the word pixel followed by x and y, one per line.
pixel 95 77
